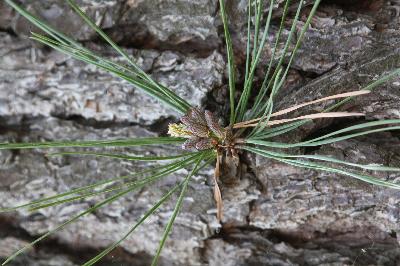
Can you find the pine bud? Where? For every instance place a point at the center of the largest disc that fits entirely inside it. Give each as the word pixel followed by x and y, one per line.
pixel 190 143
pixel 179 130
pixel 204 144
pixel 213 125
pixel 197 115
pixel 196 128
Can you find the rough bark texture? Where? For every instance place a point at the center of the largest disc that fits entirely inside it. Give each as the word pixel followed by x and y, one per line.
pixel 275 214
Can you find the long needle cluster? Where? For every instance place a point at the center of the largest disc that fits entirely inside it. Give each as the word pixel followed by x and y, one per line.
pixel 249 130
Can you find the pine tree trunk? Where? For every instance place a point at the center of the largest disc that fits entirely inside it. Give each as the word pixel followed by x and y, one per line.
pixel 274 214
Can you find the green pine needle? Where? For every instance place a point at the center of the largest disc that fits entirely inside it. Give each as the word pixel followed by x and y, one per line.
pixel 326 138
pixel 93 143
pixel 162 169
pixel 257 141
pixel 136 185
pixel 123 156
pixel 321 167
pixel 231 62
pixel 372 167
pixel 176 211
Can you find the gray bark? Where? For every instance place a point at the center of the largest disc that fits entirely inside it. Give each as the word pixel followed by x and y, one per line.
pixel 275 214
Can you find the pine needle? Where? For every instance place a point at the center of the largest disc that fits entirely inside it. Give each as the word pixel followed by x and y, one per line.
pixel 311 116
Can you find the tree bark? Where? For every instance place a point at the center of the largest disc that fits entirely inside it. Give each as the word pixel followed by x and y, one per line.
pixel 274 214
